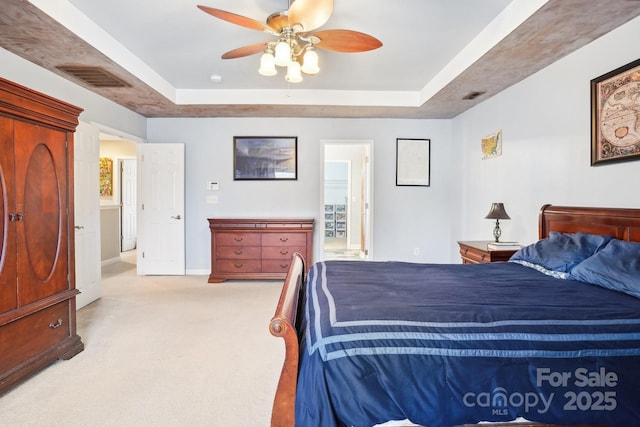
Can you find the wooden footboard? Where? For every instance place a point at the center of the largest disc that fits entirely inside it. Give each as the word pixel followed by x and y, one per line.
pixel 283 324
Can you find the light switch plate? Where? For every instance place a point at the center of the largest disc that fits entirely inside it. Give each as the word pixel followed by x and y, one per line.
pixel 213 186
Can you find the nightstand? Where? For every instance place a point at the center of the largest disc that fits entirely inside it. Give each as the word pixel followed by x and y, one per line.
pixel 476 252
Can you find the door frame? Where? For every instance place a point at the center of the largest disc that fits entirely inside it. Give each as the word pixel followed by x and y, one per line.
pixel 368 226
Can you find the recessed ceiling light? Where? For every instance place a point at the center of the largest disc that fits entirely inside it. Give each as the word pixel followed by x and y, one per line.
pixel 215 78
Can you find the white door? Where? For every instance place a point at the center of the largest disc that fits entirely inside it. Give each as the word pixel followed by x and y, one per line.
pixel 161 209
pixel 87 213
pixel 128 204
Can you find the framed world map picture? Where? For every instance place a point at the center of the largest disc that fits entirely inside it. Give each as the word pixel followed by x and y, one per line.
pixel 615 113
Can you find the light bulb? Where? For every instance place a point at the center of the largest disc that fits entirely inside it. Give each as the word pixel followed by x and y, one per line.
pixel 310 62
pixel 283 54
pixel 267 65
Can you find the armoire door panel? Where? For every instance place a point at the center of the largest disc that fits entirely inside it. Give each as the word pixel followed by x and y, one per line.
pixel 8 286
pixel 41 193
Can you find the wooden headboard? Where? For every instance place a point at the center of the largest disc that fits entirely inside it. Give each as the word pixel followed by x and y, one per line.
pixel 623 224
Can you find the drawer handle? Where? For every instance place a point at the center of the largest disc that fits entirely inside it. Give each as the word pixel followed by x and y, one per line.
pixel 284 266
pixel 56 325
pixel 238 265
pixel 483 256
pixel 238 252
pixel 238 239
pixel 284 239
pixel 284 252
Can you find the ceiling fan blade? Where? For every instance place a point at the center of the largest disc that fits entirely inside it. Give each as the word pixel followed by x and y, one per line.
pixel 311 14
pixel 346 41
pixel 243 21
pixel 251 49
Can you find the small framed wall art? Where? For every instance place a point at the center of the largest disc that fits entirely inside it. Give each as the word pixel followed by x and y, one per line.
pixel 413 162
pixel 265 158
pixel 615 108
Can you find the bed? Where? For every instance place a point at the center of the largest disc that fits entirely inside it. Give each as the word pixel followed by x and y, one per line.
pixel 544 336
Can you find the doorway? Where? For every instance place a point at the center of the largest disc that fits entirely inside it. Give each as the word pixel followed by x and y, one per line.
pixel 346 200
pixel 118 207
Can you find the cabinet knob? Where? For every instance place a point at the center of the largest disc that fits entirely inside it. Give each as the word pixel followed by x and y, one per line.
pixel 56 325
pixel 465 251
pixel 284 239
pixel 12 217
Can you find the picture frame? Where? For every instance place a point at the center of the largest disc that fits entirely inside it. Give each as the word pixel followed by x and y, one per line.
pixel 106 176
pixel 413 162
pixel 265 158
pixel 491 145
pixel 614 111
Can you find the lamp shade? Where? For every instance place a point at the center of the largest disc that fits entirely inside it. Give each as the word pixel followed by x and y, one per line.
pixel 310 62
pixel 293 72
pixel 267 65
pixel 497 212
pixel 282 54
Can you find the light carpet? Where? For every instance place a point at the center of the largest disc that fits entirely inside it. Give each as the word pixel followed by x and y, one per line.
pixel 161 351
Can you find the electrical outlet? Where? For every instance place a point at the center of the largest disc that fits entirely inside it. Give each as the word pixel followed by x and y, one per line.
pixel 212 200
pixel 416 251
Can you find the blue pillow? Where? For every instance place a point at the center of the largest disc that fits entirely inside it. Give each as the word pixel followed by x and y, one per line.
pixel 561 251
pixel 616 266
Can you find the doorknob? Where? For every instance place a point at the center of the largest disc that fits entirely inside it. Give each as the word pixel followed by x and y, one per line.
pixel 176 217
pixel 79 227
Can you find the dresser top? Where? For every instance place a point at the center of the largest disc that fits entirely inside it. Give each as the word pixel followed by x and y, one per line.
pixel 261 223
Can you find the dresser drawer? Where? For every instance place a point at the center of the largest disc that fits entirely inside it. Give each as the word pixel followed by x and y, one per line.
pixel 284 239
pixel 238 239
pixel 238 266
pixel 275 266
pixel 29 336
pixel 238 252
pixel 281 252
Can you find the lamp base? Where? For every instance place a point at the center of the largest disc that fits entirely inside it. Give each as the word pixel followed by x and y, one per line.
pixel 496 231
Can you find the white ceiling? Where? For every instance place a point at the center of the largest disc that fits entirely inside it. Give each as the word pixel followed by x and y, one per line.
pixel 434 52
pixel 183 44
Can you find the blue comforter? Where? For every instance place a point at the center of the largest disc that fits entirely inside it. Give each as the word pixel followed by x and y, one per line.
pixel 451 344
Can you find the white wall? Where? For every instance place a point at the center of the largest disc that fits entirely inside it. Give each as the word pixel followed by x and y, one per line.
pixel 545 121
pixel 404 217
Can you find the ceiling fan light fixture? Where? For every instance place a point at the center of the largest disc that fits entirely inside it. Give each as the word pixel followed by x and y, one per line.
pixel 310 62
pixel 282 53
pixel 267 64
pixel 294 74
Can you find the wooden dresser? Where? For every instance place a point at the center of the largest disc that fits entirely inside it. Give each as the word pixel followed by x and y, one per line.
pixel 257 248
pixel 476 252
pixel 37 274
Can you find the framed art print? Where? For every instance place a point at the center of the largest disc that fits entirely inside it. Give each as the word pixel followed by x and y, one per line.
pixel 615 108
pixel 413 162
pixel 265 158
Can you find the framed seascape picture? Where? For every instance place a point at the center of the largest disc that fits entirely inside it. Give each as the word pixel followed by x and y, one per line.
pixel 615 108
pixel 413 162
pixel 265 158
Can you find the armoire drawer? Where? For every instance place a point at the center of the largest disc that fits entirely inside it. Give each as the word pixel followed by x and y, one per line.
pixel 27 337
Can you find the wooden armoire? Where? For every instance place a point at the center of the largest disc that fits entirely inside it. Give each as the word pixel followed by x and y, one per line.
pixel 37 283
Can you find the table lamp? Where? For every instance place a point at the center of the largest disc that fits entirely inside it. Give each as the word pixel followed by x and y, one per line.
pixel 497 212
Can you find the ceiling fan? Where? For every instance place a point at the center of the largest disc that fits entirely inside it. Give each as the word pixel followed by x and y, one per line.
pixel 294 44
